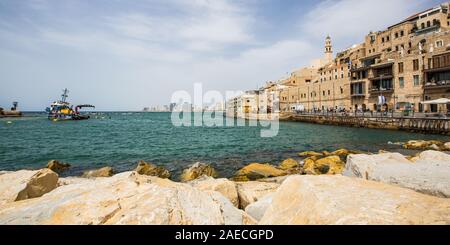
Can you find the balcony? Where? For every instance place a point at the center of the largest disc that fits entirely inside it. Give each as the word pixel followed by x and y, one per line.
pixel 378 90
pixel 440 85
pixel 383 76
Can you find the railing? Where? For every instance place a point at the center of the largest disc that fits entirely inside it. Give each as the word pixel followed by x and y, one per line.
pixel 438 84
pixel 380 90
pixel 381 120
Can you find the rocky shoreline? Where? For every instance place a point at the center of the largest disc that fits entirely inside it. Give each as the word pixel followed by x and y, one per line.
pixel 339 187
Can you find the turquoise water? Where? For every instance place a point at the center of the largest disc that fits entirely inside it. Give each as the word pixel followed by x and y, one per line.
pixel 121 139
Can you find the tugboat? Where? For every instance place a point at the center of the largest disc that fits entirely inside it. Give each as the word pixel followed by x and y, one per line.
pixel 63 111
pixel 11 113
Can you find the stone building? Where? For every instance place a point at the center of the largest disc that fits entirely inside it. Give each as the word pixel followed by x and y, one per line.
pixel 393 74
pixel 395 69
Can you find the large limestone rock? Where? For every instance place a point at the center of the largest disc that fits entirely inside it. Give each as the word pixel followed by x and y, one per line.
pixel 338 199
pixel 96 173
pixel 126 198
pixel 255 171
pixel 152 170
pixel 258 208
pixel 224 186
pixel 327 165
pixel 428 173
pixel 25 184
pixel 57 166
pixel 250 192
pixel 198 170
pixel 289 164
pixel 446 146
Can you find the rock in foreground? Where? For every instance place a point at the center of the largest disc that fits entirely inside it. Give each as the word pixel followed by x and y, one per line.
pixel 327 165
pixel 343 200
pixel 57 166
pixel 152 170
pixel 198 170
pixel 250 192
pixel 96 173
pixel 224 186
pixel 25 184
pixel 126 198
pixel 255 171
pixel 429 172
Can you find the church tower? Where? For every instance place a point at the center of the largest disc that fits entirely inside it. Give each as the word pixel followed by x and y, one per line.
pixel 328 50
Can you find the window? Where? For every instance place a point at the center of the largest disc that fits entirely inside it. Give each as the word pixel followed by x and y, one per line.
pixel 342 90
pixel 439 43
pixel 428 24
pixel 342 75
pixel 416 65
pixel 396 35
pixel 402 33
pixel 401 82
pixel 388 38
pixel 335 76
pixel 329 92
pixel 323 92
pixel 422 26
pixel 382 40
pixel 400 67
pixel 416 80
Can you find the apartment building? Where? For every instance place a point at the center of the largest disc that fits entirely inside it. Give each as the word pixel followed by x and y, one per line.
pixel 395 69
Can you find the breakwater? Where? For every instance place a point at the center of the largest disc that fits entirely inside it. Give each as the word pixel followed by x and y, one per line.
pixel 418 125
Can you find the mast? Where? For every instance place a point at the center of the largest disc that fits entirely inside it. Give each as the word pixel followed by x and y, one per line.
pixel 64 95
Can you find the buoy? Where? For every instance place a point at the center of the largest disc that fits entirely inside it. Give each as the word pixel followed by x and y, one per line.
pixel 8 122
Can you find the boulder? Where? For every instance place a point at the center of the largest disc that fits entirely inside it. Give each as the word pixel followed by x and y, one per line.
pixel 224 186
pixel 327 165
pixel 427 173
pixel 446 146
pixel 57 166
pixel 152 170
pixel 422 144
pixel 250 192
pixel 198 170
pixel 126 198
pixel 310 154
pixel 258 208
pixel 256 171
pixel 102 172
pixel 289 164
pixel 25 184
pixel 340 200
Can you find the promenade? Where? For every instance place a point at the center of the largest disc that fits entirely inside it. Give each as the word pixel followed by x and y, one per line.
pixel 418 122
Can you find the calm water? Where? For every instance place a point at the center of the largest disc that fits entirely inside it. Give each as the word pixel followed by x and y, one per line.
pixel 121 139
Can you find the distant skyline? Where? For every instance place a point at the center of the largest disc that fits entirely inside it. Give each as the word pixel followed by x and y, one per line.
pixel 127 55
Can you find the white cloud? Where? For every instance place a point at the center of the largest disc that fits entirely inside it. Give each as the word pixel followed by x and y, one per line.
pixel 353 19
pixel 175 43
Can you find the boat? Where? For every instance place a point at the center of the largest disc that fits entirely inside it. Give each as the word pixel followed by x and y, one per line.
pixel 11 113
pixel 62 110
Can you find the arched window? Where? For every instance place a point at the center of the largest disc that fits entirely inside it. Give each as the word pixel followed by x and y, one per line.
pixel 422 26
pixel 428 24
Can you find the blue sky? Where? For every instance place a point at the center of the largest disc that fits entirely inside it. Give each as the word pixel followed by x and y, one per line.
pixel 128 54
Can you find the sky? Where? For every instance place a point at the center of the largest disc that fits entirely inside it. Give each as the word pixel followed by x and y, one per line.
pixel 131 54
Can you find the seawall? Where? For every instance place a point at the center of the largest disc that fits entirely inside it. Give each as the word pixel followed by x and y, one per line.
pixel 420 125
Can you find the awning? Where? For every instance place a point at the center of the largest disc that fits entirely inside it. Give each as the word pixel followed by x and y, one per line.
pixel 438 101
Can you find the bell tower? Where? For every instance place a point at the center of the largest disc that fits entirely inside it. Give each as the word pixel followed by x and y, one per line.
pixel 328 50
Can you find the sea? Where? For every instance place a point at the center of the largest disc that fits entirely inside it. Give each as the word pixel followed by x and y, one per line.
pixel 121 139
